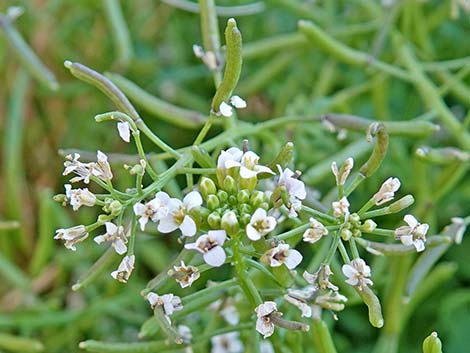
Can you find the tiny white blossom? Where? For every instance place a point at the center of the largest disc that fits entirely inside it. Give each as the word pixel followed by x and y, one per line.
pixel 342 174
pixel 79 197
pixel 82 170
pixel 184 274
pixel 228 157
pixel 316 231
pixel 154 210
pixel 260 224
pixel 282 254
pixel 387 191
pixel 72 236
pixel 263 323
pixel 169 302
pixel 230 313
pixel 101 168
pixel 210 245
pixel 358 273
pixel 227 343
pixel 237 102
pixel 321 278
pixel 124 130
pixel 177 216
pixel 185 334
pixel 248 164
pixel 125 269
pixel 299 298
pixel 115 235
pixel 341 207
pixel 225 109
pixel 412 234
pixel 294 186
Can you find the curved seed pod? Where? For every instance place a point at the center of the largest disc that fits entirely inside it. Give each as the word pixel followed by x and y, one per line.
pixel 373 304
pixel 380 149
pixel 233 66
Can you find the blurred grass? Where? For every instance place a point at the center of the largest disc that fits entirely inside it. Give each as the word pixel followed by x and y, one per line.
pixel 293 77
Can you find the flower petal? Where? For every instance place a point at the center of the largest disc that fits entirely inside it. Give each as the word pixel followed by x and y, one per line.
pixel 124 131
pixel 215 257
pixel 188 227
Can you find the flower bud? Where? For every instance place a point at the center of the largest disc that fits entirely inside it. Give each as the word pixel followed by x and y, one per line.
pixel 369 226
pixel 264 205
pixel 229 223
pixel 103 218
pixel 432 344
pixel 243 196
pixel 404 202
pixel 354 218
pixel 214 220
pixel 249 183
pixel 60 198
pixel 230 185
pixel 245 219
pixel 342 174
pixel 232 200
pixel 222 195
pixel 257 197
pixel 207 187
pixel 346 234
pixel 212 202
pixel 356 233
pixel 245 208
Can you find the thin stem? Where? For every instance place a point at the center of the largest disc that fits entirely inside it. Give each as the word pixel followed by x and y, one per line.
pixel 320 215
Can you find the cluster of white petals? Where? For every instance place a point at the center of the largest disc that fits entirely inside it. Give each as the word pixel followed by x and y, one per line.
pixel 341 207
pixel 358 273
pixel 226 110
pixel 283 254
pixel 114 235
pixel 125 269
pixel 387 191
pixel 184 274
pixel 210 245
pixel 169 302
pixel 294 187
pixel 412 234
pixel 260 225
pixel 72 236
pixel 153 210
pixel 316 231
pixel 79 197
pixel 264 324
pixel 248 164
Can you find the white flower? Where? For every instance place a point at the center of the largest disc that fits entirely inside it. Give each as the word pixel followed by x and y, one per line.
pixel 299 298
pixel 82 170
pixel 316 232
pixel 387 191
pixel 226 158
pixel 72 236
pixel 341 207
pixel 260 224
pixel 178 217
pixel 101 168
pixel 210 245
pixel 79 197
pixel 125 269
pixel 358 273
pixel 184 275
pixel 124 130
pixel 185 334
pixel 115 235
pixel 342 174
pixel 169 302
pixel 282 254
pixel 294 186
pixel 230 313
pixel 237 102
pixel 249 167
pixel 227 343
pixel 208 58
pixel 321 278
pixel 154 210
pixel 412 234
pixel 225 109
pixel 263 323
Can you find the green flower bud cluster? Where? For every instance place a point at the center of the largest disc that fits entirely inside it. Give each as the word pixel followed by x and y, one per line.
pixel 354 227
pixel 229 206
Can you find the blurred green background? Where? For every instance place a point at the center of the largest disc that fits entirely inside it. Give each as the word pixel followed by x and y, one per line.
pixel 297 78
